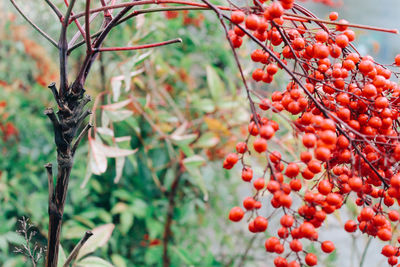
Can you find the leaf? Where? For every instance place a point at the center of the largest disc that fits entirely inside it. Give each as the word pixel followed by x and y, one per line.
pixel 116 106
pixel 119 166
pixel 215 84
pixel 139 208
pixel 115 152
pixel 89 172
pixel 126 221
pixel 105 131
pixel 105 120
pixel 183 139
pixel 118 260
pixel 98 160
pixel 118 115
pixel 216 125
pixel 196 174
pixel 116 88
pixel 207 140
pixel 183 255
pixel 94 262
pixel 119 207
pixel 100 237
pixel 61 257
pixel 194 161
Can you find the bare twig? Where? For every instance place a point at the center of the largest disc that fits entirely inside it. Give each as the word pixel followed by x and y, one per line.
pixel 45 35
pixel 87 27
pixel 55 9
pixel 138 47
pixel 81 135
pixel 76 249
pixel 365 252
pixel 246 252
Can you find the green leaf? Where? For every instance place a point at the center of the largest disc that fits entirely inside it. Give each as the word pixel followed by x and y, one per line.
pixel 183 255
pixel 61 257
pixel 194 161
pixel 183 139
pixel 94 262
pixel 100 237
pixel 215 84
pixel 139 208
pixel 118 115
pixel 118 261
pixel 199 180
pixel 207 140
pixel 126 222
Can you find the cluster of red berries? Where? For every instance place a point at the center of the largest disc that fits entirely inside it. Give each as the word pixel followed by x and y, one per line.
pixel 344 109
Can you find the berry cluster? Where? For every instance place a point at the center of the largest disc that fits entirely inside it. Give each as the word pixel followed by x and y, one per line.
pixel 343 108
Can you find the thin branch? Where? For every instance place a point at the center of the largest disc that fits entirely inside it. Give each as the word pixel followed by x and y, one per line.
pixel 54 90
pixel 45 35
pixel 107 12
pixel 55 9
pixel 76 249
pixel 87 26
pixel 246 252
pixel 80 137
pixel 90 57
pixel 161 9
pixel 63 47
pixel 71 43
pixel 173 41
pixel 146 2
pixel 365 252
pixel 365 27
pixel 221 16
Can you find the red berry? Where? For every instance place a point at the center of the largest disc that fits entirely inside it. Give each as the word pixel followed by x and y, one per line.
pixel 350 226
pixel 260 145
pixel 292 170
pixel 333 16
pixel 237 17
pixel 236 214
pixel 260 223
pixel 311 259
pixel 327 246
pixel 252 22
pixel 248 203
pixel 259 183
pixel 296 245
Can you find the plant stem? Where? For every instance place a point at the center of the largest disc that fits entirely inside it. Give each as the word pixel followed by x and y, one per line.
pixel 173 41
pixel 365 252
pixel 246 252
pixel 170 213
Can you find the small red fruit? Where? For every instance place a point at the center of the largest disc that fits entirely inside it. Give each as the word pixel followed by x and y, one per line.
pixel 236 214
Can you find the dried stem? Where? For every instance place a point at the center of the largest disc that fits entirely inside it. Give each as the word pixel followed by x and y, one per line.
pixel 173 41
pixel 81 135
pixel 365 27
pixel 76 249
pixel 146 2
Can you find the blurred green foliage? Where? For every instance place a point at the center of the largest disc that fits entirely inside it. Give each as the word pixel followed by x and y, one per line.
pixel 190 87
